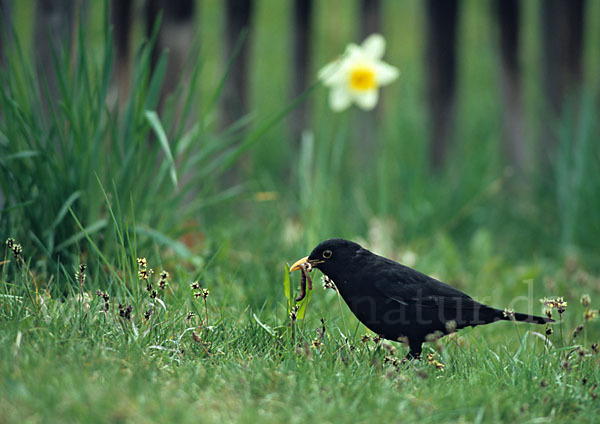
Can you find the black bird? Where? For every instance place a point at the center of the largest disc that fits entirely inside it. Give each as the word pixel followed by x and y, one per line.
pixel 396 301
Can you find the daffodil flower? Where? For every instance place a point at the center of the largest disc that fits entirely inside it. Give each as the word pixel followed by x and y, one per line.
pixel 358 74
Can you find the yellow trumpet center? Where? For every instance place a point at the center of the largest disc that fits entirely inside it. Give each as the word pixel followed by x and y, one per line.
pixel 362 78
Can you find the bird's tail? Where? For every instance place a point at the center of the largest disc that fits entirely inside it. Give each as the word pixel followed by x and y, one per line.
pixel 533 319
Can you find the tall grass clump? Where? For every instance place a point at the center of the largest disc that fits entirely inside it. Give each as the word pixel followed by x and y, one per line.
pixel 69 159
pixel 577 178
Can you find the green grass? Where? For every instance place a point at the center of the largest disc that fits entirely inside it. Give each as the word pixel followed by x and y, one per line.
pixel 69 360
pixel 133 181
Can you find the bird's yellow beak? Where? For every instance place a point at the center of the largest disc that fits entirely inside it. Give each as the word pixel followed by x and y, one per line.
pixel 298 264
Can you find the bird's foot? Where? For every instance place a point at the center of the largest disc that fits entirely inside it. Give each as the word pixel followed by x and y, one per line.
pixel 413 355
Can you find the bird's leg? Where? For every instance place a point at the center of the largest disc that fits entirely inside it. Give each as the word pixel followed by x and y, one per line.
pixel 415 350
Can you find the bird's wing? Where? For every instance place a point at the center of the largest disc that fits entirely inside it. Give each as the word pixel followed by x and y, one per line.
pixel 408 286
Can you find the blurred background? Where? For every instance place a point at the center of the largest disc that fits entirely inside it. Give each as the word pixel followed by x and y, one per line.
pixel 196 132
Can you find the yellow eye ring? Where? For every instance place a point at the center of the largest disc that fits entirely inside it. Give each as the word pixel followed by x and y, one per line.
pixel 327 254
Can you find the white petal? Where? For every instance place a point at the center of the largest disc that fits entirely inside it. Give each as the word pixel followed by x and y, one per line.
pixel 331 73
pixel 352 49
pixel 374 46
pixel 385 73
pixel 339 99
pixel 327 70
pixel 356 54
pixel 366 100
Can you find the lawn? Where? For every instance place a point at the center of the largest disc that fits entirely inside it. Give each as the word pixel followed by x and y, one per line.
pixel 101 202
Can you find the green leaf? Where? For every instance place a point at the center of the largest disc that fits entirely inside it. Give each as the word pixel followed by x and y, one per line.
pixel 85 232
pixel 303 305
pixel 264 326
pixel 282 330
pixel 156 83
pixel 161 238
pixel 287 288
pixel 156 125
pixel 24 154
pixel 64 209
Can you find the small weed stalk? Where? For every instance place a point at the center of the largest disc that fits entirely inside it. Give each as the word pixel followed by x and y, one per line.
pixel 510 314
pixel 20 264
pixel 198 292
pixel 201 332
pixel 588 315
pixel 293 322
pixel 561 306
pixel 80 276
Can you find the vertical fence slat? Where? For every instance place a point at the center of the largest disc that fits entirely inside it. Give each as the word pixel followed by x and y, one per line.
pixel 53 32
pixel 121 18
pixel 235 104
pixel 562 41
pixel 507 14
pixel 441 22
pixel 370 23
pixel 301 62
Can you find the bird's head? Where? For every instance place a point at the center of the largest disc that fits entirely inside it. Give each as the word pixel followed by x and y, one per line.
pixel 331 256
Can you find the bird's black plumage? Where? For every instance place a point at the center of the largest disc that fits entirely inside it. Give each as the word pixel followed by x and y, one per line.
pixel 396 301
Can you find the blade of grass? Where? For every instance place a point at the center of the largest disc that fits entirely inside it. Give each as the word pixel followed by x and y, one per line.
pixel 159 131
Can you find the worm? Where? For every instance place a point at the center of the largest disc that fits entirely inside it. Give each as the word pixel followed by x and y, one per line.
pixel 305 268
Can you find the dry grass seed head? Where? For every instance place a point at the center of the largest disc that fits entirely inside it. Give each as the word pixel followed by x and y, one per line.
pixel 585 300
pixel 509 313
pixel 433 337
pixel 577 330
pixel 589 315
pixel 451 326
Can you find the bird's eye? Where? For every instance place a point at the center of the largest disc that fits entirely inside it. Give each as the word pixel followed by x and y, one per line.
pixel 327 254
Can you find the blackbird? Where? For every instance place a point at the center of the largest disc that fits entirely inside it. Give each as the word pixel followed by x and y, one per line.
pixel 398 302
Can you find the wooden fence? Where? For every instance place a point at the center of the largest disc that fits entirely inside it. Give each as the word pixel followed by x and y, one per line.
pixel 561 38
